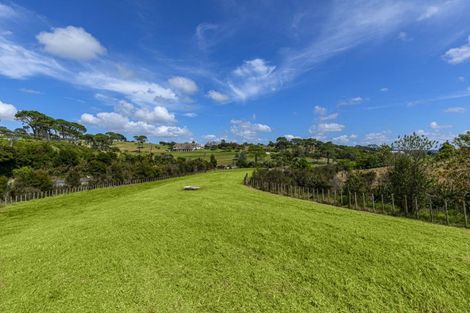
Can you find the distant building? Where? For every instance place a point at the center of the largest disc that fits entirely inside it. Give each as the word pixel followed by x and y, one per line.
pixel 186 147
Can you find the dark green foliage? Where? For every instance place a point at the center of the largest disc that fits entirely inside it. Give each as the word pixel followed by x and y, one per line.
pixel 213 161
pixel 72 178
pixel 3 186
pixel 360 182
pixel 27 180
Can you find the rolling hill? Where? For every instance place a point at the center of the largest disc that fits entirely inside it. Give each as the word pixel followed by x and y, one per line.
pixel 224 248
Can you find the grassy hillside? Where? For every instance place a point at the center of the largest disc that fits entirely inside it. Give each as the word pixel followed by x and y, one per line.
pixel 223 157
pixel 224 248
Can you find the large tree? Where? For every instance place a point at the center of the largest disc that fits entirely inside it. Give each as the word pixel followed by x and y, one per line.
pixel 39 123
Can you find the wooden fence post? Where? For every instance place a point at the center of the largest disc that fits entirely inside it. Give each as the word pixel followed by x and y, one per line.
pixel 393 204
pixel 430 210
pixel 465 213
pixel 416 208
pixel 355 200
pixel 349 203
pixel 447 212
pixel 406 206
pixel 373 203
pixel 383 204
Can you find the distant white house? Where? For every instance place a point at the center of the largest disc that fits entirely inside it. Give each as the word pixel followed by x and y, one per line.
pixel 186 147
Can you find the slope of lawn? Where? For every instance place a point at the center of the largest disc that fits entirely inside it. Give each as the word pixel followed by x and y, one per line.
pixel 224 248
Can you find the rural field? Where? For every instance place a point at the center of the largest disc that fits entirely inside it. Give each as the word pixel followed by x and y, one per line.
pixel 223 157
pixel 225 248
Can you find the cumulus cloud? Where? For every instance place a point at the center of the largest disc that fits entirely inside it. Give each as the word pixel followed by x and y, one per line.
pixel 455 110
pixel 138 91
pixel 377 138
pixel 345 139
pixel 7 111
pixel 218 96
pixel 157 115
pixel 329 127
pixel 458 55
pixel 71 43
pixel 247 130
pixel 322 126
pixel 290 137
pixel 112 121
pixel 435 125
pixel 183 84
pixel 384 89
pixel 19 63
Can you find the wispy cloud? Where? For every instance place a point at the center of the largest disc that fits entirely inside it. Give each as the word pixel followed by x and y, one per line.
pixel 247 130
pixel 459 54
pixel 455 110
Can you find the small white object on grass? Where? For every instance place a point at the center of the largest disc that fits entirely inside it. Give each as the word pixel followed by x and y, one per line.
pixel 191 188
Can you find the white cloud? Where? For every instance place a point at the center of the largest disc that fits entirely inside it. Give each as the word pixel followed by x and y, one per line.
pixel 210 137
pixel 461 79
pixel 138 91
pixel 6 11
pixel 455 110
pixel 247 130
pixel 19 63
pixel 112 121
pixel 458 55
pixel 183 84
pixel 319 110
pixel 253 78
pixel 351 101
pixel 429 12
pixel 345 139
pixel 217 96
pixel 124 107
pixel 254 68
pixel 435 125
pixel 158 115
pixel 30 91
pixel 329 127
pixel 377 138
pixel 7 111
pixel 290 137
pixel 320 128
pixel 323 115
pixel 71 43
pixel 190 114
pixel 385 89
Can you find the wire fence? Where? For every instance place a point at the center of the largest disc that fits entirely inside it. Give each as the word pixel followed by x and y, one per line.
pixel 7 199
pixel 424 207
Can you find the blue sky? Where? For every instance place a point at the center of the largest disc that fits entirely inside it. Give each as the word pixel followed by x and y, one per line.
pixel 354 72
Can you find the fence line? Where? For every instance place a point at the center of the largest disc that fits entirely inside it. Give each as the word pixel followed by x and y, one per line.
pixel 9 199
pixel 439 211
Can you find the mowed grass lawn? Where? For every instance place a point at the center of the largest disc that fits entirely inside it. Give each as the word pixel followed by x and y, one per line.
pixel 224 248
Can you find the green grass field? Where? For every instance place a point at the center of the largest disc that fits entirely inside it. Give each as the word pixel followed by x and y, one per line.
pixel 223 157
pixel 224 248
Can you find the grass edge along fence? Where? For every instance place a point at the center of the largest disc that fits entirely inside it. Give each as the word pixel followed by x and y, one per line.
pixel 63 190
pixel 428 208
